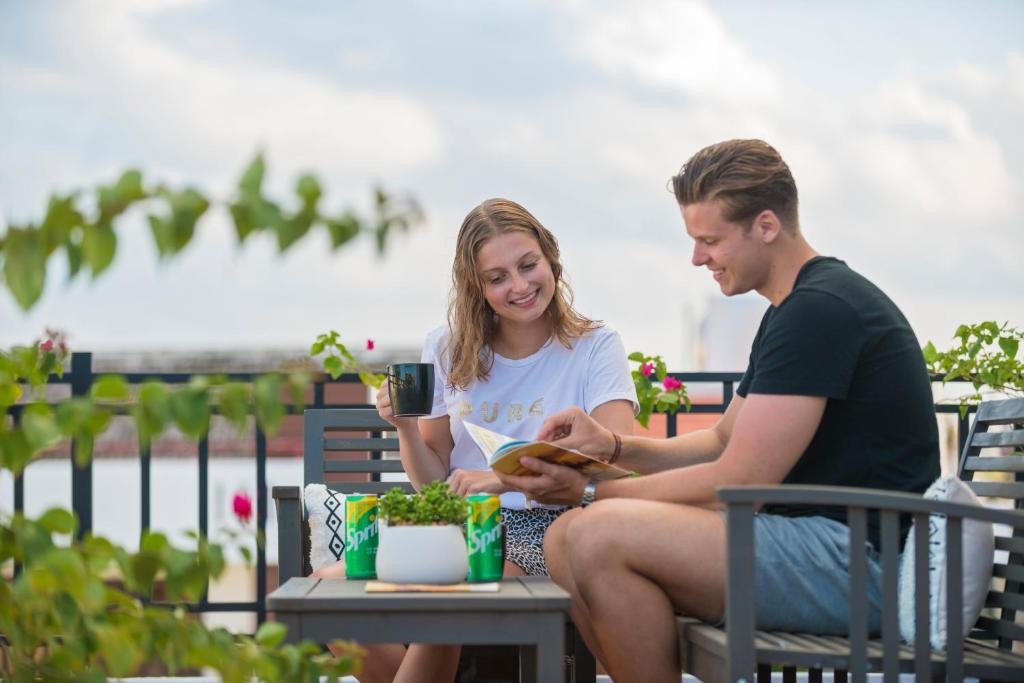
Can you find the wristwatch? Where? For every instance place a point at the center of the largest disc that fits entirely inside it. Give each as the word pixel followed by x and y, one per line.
pixel 589 494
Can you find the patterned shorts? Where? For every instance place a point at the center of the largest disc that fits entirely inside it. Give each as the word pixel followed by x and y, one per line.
pixel 524 537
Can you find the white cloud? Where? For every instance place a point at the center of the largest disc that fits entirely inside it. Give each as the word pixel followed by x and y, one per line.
pixel 214 110
pixel 673 45
pixel 31 78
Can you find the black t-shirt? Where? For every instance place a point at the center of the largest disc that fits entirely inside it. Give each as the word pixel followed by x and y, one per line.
pixel 839 336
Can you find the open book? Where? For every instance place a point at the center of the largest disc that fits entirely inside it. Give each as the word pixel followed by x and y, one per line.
pixel 503 454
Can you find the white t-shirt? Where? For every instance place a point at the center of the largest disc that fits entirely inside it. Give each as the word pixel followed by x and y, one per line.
pixel 519 394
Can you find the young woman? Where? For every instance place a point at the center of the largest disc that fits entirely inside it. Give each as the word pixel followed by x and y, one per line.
pixel 514 351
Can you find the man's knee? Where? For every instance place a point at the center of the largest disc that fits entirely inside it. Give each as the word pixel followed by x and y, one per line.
pixel 591 536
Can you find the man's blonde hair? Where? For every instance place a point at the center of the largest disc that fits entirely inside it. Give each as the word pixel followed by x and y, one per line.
pixel 745 176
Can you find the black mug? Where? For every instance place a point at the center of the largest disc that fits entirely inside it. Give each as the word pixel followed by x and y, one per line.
pixel 411 388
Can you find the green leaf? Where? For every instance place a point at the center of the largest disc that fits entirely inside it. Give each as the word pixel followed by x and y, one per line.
pixel 14 451
pixel 308 189
pixel 297 382
pixel 269 409
pixel 24 265
pixel 372 380
pixel 271 633
pixel 120 653
pixel 110 388
pixel 98 246
pixel 637 357
pixel 333 366
pixel 292 230
pixel 175 230
pixel 114 200
pixel 1009 346
pixel 58 521
pixel 342 229
pixel 244 215
pixel 152 411
pixel 234 405
pixel 129 186
pixel 252 178
pixel 73 250
pixel 40 427
pixel 380 235
pixel 9 394
pixel 191 411
pixel 154 542
pixel 61 218
pixel 929 352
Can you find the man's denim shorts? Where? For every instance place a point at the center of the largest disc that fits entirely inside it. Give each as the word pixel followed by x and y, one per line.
pixel 802 576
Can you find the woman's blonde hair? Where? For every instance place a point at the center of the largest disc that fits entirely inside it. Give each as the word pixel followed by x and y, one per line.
pixel 472 321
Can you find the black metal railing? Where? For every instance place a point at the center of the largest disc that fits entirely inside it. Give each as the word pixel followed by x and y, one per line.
pixel 81 376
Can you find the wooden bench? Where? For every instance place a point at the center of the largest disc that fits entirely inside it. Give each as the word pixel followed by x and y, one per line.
pixel 733 654
pixel 360 437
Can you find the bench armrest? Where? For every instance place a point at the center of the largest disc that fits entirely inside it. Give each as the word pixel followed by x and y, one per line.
pixel 740 551
pixel 874 499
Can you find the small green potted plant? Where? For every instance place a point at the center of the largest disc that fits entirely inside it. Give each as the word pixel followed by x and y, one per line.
pixel 421 536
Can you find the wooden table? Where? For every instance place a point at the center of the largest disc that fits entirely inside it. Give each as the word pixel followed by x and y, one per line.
pixel 528 611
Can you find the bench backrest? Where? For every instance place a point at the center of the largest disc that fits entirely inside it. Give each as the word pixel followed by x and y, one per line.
pixel 992 464
pixel 358 436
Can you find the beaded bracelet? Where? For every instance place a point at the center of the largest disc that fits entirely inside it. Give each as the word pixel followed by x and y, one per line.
pixel 618 449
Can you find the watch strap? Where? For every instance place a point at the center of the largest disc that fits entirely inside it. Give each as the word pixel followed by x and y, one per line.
pixel 589 494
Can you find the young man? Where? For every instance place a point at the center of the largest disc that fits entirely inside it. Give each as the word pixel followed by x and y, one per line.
pixel 835 393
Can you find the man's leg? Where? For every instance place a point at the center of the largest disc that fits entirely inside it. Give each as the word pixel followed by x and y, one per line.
pixel 558 567
pixel 633 564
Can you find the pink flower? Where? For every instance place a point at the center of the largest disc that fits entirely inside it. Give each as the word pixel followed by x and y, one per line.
pixel 46 345
pixel 369 345
pixel 672 384
pixel 647 369
pixel 242 506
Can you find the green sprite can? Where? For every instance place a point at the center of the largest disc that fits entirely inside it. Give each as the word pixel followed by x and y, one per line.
pixel 361 537
pixel 484 537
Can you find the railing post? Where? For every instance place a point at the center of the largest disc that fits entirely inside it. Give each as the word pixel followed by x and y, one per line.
pixel 203 461
pixel 81 476
pixel 261 525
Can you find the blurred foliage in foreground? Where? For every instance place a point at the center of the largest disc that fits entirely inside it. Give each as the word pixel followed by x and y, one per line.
pixel 76 608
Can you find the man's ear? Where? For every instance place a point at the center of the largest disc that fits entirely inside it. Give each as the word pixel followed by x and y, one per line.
pixel 767 226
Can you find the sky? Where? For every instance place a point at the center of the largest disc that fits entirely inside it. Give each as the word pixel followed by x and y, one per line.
pixel 901 123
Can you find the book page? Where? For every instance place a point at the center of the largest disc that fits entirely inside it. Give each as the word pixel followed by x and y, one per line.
pixel 486 440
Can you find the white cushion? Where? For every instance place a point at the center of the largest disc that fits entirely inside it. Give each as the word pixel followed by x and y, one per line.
pixel 325 512
pixel 978 551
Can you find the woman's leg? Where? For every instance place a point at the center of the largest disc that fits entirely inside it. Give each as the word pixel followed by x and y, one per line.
pixel 437 662
pixel 382 660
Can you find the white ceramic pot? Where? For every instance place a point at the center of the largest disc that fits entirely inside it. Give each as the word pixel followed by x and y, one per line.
pixel 421 554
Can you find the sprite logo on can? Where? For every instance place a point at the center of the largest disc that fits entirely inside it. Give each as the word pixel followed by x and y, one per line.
pixel 484 538
pixel 361 537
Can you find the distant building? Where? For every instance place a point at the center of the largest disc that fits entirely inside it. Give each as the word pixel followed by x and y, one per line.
pixel 726 332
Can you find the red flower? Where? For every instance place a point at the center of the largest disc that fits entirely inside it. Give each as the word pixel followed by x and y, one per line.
pixel 242 506
pixel 369 345
pixel 672 384
pixel 46 345
pixel 647 369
